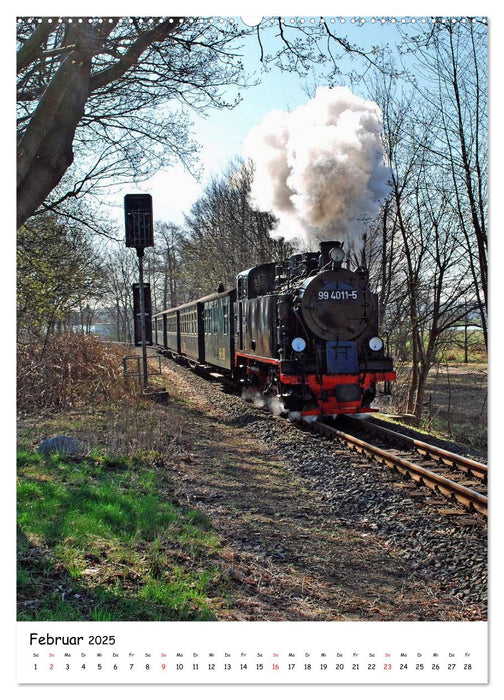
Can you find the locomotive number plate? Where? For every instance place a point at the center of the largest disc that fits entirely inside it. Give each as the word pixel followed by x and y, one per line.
pixel 338 295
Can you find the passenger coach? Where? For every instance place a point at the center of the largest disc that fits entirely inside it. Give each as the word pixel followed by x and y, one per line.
pixel 200 332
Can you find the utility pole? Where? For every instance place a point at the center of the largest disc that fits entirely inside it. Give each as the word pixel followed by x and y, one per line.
pixel 466 334
pixel 142 315
pixel 140 235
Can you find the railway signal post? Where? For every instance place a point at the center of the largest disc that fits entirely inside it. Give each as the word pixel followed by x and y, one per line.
pixel 139 228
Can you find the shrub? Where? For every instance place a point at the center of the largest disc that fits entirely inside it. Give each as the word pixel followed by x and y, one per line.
pixel 69 370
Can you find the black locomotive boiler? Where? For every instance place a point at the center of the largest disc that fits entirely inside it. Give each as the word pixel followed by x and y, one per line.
pixel 305 331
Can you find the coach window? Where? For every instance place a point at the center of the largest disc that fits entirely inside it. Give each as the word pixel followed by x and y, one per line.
pixel 226 319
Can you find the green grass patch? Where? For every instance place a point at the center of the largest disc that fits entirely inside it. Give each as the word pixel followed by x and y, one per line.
pixel 104 538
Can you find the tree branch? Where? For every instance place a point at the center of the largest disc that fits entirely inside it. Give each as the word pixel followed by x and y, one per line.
pixel 133 53
pixel 31 47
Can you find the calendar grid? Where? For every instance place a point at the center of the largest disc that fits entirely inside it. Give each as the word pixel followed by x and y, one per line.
pixel 259 653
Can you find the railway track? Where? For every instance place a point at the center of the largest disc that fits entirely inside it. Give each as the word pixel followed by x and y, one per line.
pixel 454 476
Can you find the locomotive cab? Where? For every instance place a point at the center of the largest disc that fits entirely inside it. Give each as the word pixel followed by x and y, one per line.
pixel 255 311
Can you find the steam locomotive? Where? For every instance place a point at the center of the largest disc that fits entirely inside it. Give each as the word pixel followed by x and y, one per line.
pixel 304 331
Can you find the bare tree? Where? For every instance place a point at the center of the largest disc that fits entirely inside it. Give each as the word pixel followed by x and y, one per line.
pixel 225 234
pixel 96 87
pixel 163 266
pixel 424 268
pixel 450 74
pixel 121 272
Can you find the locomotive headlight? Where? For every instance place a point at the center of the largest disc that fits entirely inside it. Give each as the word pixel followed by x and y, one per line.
pixel 298 344
pixel 376 343
pixel 337 254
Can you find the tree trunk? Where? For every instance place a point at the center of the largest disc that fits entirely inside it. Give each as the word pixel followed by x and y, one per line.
pixel 422 381
pixel 45 150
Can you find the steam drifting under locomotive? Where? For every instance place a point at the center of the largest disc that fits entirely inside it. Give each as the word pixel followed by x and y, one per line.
pixel 304 331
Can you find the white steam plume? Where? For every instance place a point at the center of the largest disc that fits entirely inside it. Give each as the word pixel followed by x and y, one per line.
pixel 320 169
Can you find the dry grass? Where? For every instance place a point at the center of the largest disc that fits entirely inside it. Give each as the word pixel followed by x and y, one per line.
pixel 455 402
pixel 68 371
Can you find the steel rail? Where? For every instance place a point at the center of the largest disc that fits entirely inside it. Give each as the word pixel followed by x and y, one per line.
pixel 449 458
pixel 470 498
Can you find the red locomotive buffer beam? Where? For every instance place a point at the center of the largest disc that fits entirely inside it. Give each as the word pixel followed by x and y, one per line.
pixel 335 394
